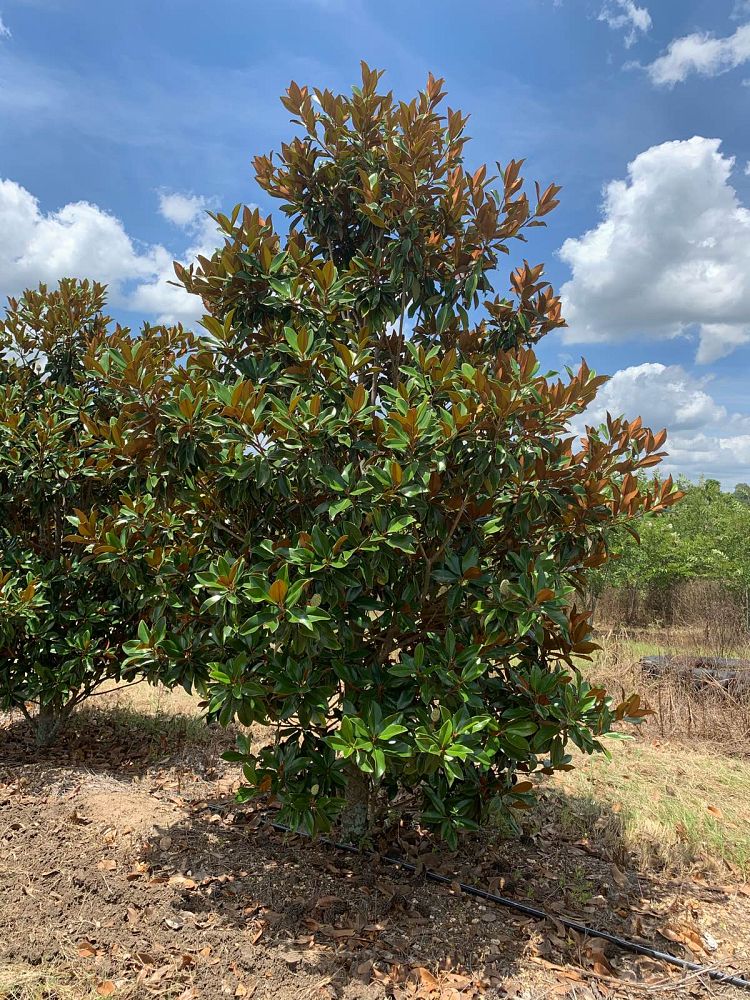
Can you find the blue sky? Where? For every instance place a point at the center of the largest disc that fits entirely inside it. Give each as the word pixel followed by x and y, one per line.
pixel 120 122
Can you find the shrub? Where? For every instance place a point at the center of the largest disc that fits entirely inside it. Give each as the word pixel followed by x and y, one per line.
pixel 385 551
pixel 63 616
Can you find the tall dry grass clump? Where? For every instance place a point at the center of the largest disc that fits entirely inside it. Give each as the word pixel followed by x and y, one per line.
pixel 686 707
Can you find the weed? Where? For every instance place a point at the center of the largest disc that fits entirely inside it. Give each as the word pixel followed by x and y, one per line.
pixel 575 886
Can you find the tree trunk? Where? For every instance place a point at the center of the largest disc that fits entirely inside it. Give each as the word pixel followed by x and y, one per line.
pixel 47 723
pixel 356 814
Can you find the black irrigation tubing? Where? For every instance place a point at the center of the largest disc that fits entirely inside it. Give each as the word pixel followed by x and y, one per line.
pixel 532 911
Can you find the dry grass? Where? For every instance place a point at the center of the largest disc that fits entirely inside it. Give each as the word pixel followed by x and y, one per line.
pixel 165 719
pixel 147 699
pixel 70 980
pixel 683 713
pixel 27 982
pixel 668 809
pixel 678 795
pixel 704 616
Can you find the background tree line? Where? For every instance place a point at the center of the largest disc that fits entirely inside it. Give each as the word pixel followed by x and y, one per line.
pixel 691 563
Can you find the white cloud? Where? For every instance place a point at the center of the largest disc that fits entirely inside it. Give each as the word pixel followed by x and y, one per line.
pixel 181 209
pixel 671 255
pixel 160 296
pixel 82 240
pixel 625 14
pixel 704 438
pixel 4 29
pixel 700 53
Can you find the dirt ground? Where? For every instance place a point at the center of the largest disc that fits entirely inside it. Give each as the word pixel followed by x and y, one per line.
pixel 128 870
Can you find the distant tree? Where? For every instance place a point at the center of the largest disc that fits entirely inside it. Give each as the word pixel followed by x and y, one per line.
pixel 742 493
pixel 385 557
pixel 705 537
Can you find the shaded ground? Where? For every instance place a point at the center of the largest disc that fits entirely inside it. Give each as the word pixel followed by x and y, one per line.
pixel 127 869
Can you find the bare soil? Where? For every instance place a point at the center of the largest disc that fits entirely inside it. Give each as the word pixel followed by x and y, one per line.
pixel 127 869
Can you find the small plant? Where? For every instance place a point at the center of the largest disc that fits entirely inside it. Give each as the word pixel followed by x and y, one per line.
pixel 382 558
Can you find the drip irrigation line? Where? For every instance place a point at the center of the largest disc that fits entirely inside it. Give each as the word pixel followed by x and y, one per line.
pixel 531 911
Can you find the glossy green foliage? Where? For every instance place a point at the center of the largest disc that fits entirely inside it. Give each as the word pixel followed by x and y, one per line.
pixel 63 617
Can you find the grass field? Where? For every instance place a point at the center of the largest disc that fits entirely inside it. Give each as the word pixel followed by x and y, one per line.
pixel 672 809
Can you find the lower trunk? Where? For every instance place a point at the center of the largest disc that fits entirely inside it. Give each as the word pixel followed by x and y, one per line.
pixel 47 723
pixel 354 821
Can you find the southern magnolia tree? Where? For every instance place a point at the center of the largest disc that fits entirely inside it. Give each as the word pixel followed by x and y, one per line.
pixel 381 560
pixel 63 618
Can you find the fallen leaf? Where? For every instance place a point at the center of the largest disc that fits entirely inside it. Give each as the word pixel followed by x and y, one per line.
pixel 337 933
pixel 86 949
pixel 426 978
pixel 619 876
pixel 161 973
pixel 107 865
pixel 715 811
pixel 182 881
pixel 106 988
pixel 326 901
pixel 140 869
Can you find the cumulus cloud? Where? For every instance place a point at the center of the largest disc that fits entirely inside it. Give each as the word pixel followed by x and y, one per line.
pixel 169 302
pixel 626 15
pixel 4 29
pixel 181 209
pixel 704 438
pixel 700 53
pixel 82 240
pixel 670 256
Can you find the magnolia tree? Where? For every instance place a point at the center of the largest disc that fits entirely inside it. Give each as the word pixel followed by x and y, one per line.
pixel 384 521
pixel 63 617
